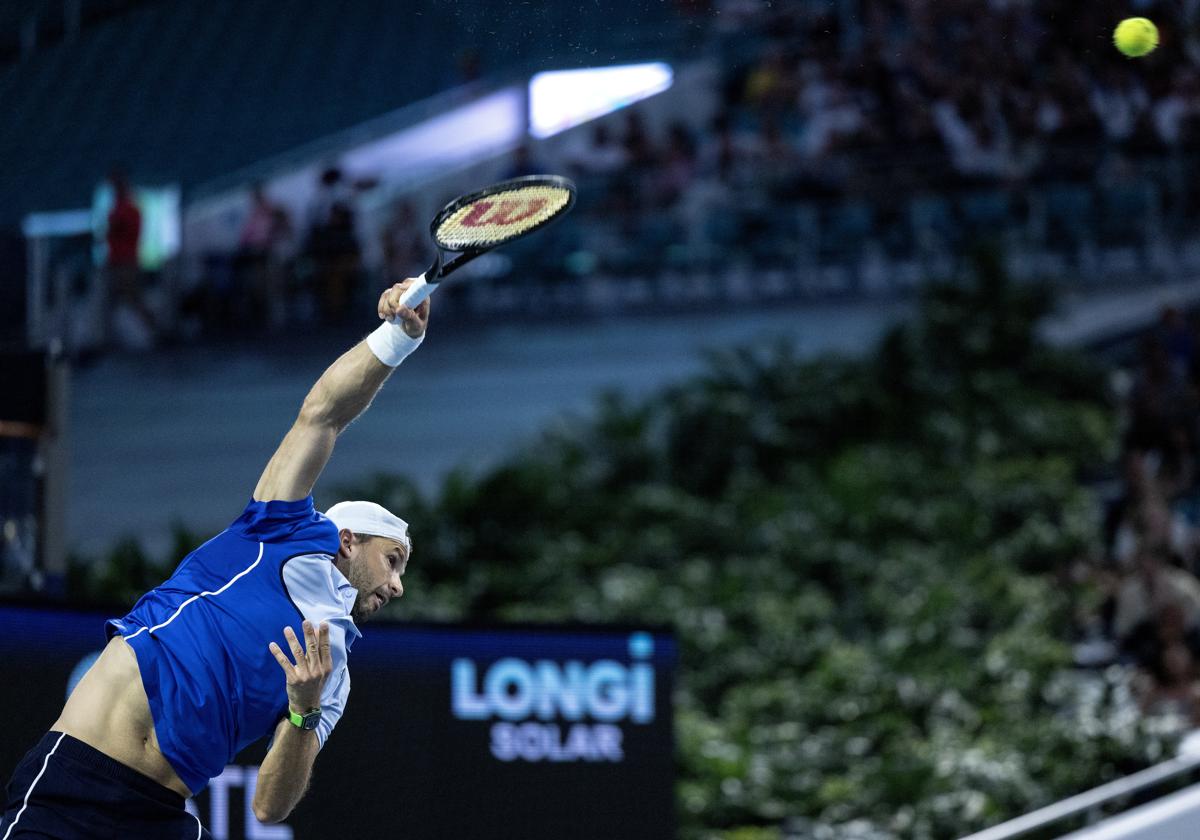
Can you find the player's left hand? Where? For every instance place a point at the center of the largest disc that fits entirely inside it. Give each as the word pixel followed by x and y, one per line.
pixel 414 321
pixel 306 677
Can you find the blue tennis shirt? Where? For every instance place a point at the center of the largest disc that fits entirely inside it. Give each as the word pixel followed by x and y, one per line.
pixel 202 636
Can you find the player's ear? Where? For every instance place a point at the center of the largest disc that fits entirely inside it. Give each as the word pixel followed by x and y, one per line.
pixel 345 540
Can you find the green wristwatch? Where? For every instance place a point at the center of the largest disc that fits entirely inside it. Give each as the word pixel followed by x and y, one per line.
pixel 306 721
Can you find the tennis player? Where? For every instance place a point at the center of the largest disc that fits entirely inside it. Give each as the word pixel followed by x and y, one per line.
pixel 248 638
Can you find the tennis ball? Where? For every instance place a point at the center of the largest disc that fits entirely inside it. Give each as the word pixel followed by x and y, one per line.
pixel 1135 36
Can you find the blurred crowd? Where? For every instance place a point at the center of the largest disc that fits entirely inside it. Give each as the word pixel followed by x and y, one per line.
pixel 285 270
pixel 978 91
pixel 1148 576
pixel 315 268
pixel 857 117
pixel 940 98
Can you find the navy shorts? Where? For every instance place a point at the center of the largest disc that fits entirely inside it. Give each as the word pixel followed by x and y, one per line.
pixel 65 790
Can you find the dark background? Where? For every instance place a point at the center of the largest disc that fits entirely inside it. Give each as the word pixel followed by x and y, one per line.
pixel 399 763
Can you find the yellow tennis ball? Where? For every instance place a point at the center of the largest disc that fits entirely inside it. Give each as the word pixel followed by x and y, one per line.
pixel 1136 36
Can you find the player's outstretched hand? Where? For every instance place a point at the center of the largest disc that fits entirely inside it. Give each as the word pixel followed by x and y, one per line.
pixel 306 677
pixel 413 320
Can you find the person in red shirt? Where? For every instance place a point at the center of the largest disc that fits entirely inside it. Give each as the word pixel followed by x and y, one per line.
pixel 124 277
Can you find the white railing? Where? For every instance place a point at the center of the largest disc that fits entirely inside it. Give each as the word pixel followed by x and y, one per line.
pixel 1090 800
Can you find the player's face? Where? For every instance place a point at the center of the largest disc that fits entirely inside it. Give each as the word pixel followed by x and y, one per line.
pixel 374 567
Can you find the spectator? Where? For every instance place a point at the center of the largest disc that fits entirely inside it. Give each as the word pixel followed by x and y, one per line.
pixel 130 319
pixel 975 136
pixel 523 163
pixel 1144 594
pixel 332 189
pixel 771 86
pixel 1172 628
pixel 1049 114
pixel 737 16
pixel 631 189
pixel 915 127
pixel 725 155
pixel 1178 341
pixel 786 174
pixel 262 254
pixel 678 167
pixel 1168 679
pixel 405 248
pixel 1172 688
pixel 1119 101
pixel 815 88
pixel 264 223
pixel 332 246
pixel 1137 486
pixel 837 118
pixel 1177 462
pixel 1072 91
pixel 1150 521
pixel 1179 109
pixel 602 156
pixel 1158 394
pixel 1188 22
pixel 639 149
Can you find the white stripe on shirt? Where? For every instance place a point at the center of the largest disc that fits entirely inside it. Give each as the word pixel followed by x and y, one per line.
pixel 201 595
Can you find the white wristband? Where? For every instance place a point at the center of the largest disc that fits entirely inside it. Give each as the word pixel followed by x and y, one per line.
pixel 391 344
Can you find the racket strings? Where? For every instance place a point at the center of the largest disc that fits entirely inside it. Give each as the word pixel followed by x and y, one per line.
pixel 497 218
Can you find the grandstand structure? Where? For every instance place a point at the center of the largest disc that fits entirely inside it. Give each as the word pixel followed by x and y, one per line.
pixel 188 93
pixel 214 100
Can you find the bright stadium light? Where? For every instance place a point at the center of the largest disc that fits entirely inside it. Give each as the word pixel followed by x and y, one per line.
pixel 562 99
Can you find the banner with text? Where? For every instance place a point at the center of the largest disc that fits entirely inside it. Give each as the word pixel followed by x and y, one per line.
pixel 450 731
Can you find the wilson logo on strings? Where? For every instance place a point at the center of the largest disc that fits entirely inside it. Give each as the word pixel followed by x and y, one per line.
pixel 510 211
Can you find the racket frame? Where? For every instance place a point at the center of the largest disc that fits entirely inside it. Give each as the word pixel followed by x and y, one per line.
pixel 428 282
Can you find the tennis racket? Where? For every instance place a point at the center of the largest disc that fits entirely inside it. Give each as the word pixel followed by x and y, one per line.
pixel 474 224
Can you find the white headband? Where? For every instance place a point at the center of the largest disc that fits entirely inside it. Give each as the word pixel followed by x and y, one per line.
pixel 369 519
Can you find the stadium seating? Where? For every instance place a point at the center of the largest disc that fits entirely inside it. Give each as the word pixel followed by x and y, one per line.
pixel 189 92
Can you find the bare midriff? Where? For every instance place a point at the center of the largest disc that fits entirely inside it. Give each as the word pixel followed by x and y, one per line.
pixel 109 711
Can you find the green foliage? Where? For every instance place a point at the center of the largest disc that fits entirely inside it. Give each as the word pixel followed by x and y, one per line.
pixel 127 572
pixel 859 557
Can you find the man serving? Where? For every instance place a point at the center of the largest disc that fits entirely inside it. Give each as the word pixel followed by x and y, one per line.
pixel 248 637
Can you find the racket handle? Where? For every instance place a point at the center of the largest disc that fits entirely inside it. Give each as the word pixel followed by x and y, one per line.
pixel 415 294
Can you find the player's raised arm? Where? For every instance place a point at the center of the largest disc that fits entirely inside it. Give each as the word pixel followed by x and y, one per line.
pixel 342 393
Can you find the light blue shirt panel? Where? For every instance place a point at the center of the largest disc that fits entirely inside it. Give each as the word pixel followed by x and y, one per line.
pixel 322 593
